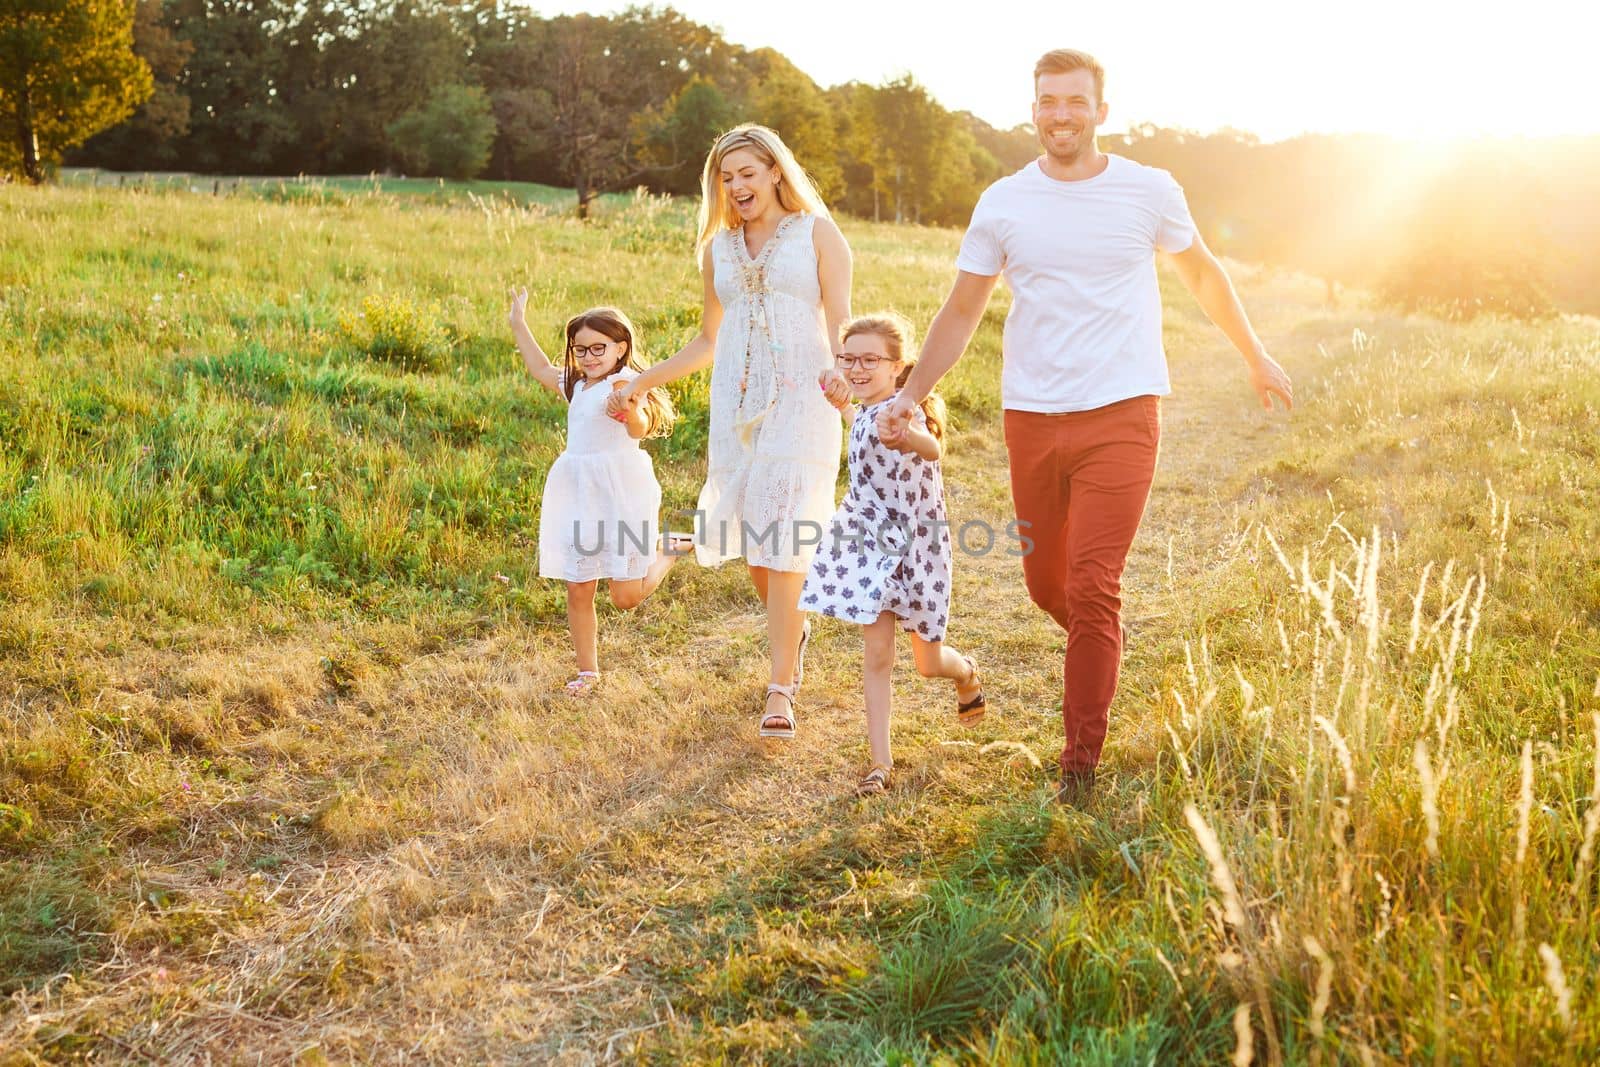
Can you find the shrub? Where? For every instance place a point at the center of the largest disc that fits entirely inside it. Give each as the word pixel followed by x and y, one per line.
pixel 395 329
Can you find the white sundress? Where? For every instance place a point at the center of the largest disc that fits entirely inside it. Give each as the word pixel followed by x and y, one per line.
pixel 598 517
pixel 773 453
pixel 888 547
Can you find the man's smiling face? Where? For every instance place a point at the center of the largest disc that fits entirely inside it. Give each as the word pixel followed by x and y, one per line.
pixel 1066 111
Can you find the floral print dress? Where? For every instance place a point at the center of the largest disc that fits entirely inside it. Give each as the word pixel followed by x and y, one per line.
pixel 888 546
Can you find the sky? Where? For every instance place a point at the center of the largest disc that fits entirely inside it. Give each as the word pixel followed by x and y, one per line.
pixel 1410 68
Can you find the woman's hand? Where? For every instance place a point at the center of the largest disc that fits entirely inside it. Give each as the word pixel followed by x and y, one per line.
pixel 835 389
pixel 519 305
pixel 623 399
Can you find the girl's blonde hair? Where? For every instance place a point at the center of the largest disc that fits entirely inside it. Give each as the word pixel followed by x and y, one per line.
pixel 611 322
pixel 897 338
pixel 795 190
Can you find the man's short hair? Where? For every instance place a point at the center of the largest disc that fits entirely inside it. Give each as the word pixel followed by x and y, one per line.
pixel 1066 60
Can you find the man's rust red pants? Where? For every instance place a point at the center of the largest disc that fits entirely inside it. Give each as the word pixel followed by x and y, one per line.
pixel 1079 481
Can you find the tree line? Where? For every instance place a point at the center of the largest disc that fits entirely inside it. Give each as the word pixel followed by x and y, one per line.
pixel 487 88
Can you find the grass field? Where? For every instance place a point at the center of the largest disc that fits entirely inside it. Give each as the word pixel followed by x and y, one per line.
pixel 318 188
pixel 285 775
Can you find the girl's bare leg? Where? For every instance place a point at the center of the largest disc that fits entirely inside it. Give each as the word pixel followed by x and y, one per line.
pixel 785 621
pixel 878 675
pixel 936 660
pixel 632 592
pixel 581 621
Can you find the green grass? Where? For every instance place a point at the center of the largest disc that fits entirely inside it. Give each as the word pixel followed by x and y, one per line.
pixel 284 768
pixel 319 187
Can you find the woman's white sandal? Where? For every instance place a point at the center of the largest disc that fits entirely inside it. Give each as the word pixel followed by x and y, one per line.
pixel 786 732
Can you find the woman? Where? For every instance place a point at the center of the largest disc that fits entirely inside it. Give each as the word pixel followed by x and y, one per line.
pixel 777 289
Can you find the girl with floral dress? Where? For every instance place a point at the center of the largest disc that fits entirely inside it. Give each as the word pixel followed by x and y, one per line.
pixel 885 560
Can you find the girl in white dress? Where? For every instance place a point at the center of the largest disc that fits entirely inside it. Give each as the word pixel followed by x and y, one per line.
pixel 885 560
pixel 776 276
pixel 597 518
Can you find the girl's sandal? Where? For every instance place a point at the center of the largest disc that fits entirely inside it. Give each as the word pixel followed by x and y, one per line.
pixel 969 712
pixel 875 782
pixel 584 684
pixel 787 730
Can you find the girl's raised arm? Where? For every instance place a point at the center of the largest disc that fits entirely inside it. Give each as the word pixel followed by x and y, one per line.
pixel 544 372
pixel 696 355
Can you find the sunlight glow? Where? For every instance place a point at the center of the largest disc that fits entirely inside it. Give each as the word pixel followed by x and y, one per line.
pixel 1411 68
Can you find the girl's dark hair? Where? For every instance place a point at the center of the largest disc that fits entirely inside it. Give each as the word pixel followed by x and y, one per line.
pixel 612 323
pixel 897 340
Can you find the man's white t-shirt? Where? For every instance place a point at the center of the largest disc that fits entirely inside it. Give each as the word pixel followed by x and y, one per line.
pixel 1085 324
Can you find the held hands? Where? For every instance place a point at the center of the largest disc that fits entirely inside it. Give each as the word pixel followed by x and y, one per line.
pixel 1270 380
pixel 894 418
pixel 622 402
pixel 834 388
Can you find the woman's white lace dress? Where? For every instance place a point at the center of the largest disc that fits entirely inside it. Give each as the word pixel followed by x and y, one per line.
pixel 774 444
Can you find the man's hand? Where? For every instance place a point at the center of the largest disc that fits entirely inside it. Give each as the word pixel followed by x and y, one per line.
pixel 893 419
pixel 835 389
pixel 1203 276
pixel 1269 380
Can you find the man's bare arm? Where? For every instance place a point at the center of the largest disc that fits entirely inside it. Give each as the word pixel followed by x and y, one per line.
pixel 950 332
pixel 1203 276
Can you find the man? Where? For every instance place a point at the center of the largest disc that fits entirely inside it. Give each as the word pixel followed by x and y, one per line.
pixel 1075 233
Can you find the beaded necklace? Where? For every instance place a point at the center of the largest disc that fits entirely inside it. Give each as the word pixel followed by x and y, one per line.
pixel 753 283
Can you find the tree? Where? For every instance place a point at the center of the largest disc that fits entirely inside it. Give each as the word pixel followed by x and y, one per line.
pixel 676 139
pixel 238 122
pixel 917 153
pixel 585 110
pixel 787 100
pixel 67 71
pixel 397 54
pixel 856 148
pixel 151 136
pixel 451 137
pixel 509 66
pixel 1011 149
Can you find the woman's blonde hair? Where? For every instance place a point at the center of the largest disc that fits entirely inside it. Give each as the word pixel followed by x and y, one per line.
pixel 795 190
pixel 613 323
pixel 897 336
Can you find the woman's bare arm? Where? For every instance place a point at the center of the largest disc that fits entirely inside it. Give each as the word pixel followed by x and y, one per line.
pixel 835 273
pixel 696 355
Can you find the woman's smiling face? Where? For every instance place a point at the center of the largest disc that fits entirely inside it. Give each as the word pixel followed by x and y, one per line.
pixel 750 183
